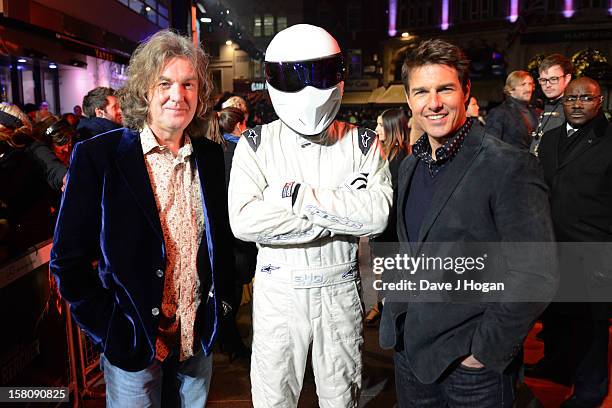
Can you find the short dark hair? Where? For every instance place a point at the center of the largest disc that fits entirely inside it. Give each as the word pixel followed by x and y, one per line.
pixel 96 99
pixel 556 59
pixel 29 107
pixel 438 52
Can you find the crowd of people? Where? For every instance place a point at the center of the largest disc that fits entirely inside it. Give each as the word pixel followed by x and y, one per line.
pixel 147 201
pixel 35 149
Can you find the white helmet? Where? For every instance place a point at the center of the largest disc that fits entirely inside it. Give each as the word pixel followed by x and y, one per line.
pixel 305 74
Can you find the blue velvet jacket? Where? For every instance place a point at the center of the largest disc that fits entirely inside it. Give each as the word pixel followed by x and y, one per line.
pixel 109 214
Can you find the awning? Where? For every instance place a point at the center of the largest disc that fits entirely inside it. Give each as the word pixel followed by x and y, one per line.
pixel 377 93
pixel 356 98
pixel 395 94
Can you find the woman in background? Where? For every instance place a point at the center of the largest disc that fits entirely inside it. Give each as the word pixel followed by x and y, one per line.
pixel 394 135
pixel 225 128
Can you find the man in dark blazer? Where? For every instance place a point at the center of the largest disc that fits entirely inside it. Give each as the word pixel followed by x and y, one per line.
pixel 461 185
pixel 577 163
pixel 514 120
pixel 147 202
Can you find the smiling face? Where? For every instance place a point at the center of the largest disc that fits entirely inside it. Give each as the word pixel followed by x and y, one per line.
pixel 437 100
pixel 173 99
pixel 578 113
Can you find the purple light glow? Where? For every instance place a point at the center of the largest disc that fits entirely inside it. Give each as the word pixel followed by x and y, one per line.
pixel 610 8
pixel 444 25
pixel 514 6
pixel 568 10
pixel 392 17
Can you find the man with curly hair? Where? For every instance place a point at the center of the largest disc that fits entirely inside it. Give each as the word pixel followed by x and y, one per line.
pixel 148 204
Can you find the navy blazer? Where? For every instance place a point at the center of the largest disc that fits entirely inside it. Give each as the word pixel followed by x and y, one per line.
pixel 108 213
pixel 490 192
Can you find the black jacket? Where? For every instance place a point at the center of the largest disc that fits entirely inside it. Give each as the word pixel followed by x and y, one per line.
pixel 53 169
pixel 513 122
pixel 24 203
pixel 489 192
pixel 90 127
pixel 245 253
pixel 581 185
pixel 581 205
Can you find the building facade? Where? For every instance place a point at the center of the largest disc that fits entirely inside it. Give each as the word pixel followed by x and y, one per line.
pixel 236 34
pixel 499 36
pixel 58 50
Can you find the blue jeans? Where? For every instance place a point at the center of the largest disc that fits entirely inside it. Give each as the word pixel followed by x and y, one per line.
pixel 458 388
pixel 168 384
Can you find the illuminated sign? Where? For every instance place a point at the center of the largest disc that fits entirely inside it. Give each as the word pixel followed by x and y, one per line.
pixel 104 55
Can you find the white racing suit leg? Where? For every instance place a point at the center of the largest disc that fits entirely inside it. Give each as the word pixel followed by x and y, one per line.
pixel 291 309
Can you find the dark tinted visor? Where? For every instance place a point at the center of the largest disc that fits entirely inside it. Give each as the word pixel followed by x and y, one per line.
pixel 294 76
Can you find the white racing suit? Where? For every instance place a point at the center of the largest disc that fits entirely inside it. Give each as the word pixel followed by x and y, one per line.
pixel 306 283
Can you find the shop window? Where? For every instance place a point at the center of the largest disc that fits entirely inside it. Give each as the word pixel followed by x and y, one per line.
pixel 281 23
pixel 27 84
pixel 6 92
pixel 163 10
pixel 156 11
pixel 268 25
pixel 152 16
pixel 137 6
pixel 48 90
pixel 256 26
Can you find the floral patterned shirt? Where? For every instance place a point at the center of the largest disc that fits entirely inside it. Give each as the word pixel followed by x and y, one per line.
pixel 176 186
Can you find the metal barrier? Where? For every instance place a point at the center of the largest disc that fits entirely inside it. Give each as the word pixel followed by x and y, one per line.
pixel 32 308
pixel 89 363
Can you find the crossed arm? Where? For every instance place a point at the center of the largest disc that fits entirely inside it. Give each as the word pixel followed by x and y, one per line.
pixel 260 212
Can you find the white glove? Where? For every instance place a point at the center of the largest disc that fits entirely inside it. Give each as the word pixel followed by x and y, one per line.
pixel 281 194
pixel 355 181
